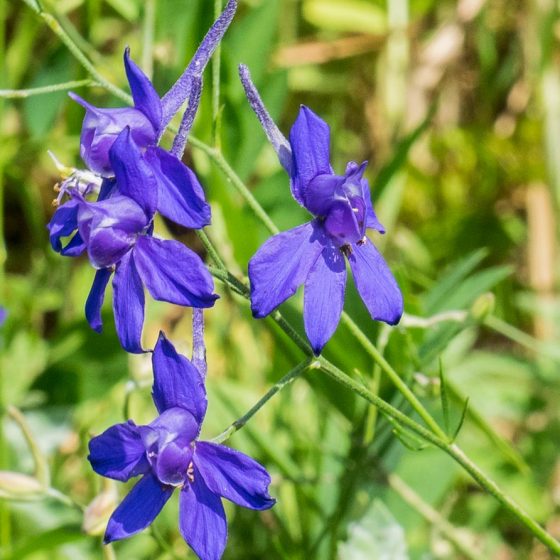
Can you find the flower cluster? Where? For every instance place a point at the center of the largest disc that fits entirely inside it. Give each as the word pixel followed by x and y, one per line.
pixel 107 212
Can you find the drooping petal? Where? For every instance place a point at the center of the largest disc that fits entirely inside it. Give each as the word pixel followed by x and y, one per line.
pixel 342 224
pixel 376 284
pixel 180 194
pixel 118 452
pixel 128 304
pixel 202 520
pixel 177 383
pixel 173 273
pixel 310 139
pixel 233 475
pixel 322 192
pixel 95 298
pixel 323 297
pixel 75 247
pixel 275 137
pixel 371 218
pixel 63 223
pixel 181 90
pixel 138 509
pixel 281 265
pixel 145 96
pixel 135 178
pixel 102 126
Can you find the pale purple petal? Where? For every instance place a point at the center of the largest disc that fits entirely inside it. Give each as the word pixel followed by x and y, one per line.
pixel 102 126
pixel 135 178
pixel 202 520
pixel 180 195
pixel 233 475
pixel 172 464
pixel 323 297
pixel 342 224
pixel 118 452
pixel 321 193
pixel 376 284
pixel 95 298
pixel 281 265
pixel 181 90
pixel 173 273
pixel 275 137
pixel 138 510
pixel 145 96
pixel 128 304
pixel 177 383
pixel 310 141
pixel 172 424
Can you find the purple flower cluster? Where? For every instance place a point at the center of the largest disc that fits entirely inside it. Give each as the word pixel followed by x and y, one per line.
pixel 107 212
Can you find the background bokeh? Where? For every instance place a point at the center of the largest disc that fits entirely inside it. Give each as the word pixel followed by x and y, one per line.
pixel 456 106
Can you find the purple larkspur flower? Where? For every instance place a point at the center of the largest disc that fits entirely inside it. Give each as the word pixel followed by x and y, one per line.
pixel 169 456
pixel 147 120
pixel 116 233
pixel 314 254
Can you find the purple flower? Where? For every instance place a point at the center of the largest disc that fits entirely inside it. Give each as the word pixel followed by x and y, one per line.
pixel 314 254
pixel 168 456
pixel 116 232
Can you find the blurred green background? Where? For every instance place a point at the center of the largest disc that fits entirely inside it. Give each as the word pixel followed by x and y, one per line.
pixel 456 106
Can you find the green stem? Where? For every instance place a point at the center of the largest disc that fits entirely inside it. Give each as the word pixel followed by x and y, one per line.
pixel 216 63
pixel 277 387
pixel 22 93
pixel 148 37
pixel 452 450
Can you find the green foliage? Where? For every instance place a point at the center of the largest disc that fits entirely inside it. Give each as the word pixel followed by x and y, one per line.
pixel 451 154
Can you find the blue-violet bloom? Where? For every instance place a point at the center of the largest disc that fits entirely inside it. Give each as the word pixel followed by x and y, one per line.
pixel 116 232
pixel 314 254
pixel 168 455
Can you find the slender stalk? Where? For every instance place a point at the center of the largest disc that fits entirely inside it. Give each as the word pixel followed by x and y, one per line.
pixel 433 516
pixel 148 37
pixel 216 64
pixel 291 376
pixel 23 93
pixel 452 450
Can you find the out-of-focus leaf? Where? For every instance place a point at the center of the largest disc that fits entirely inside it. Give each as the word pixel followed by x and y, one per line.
pixel 377 536
pixel 351 16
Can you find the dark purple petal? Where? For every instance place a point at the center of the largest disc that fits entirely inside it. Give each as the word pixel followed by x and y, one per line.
pixel 102 126
pixel 181 90
pixel 202 520
pixel 128 304
pixel 376 284
pixel 310 139
pixel 172 464
pixel 108 189
pixel 63 223
pixel 323 298
pixel 281 265
pixel 75 246
pixel 177 383
pixel 180 195
pixel 371 218
pixel 342 224
pixel 138 509
pixel 322 192
pixel 173 273
pixel 233 475
pixel 135 178
pixel 118 452
pixel 145 96
pixel 95 298
pixel 275 137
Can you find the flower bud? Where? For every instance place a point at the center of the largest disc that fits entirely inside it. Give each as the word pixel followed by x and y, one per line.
pixel 18 486
pixel 99 510
pixel 482 307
